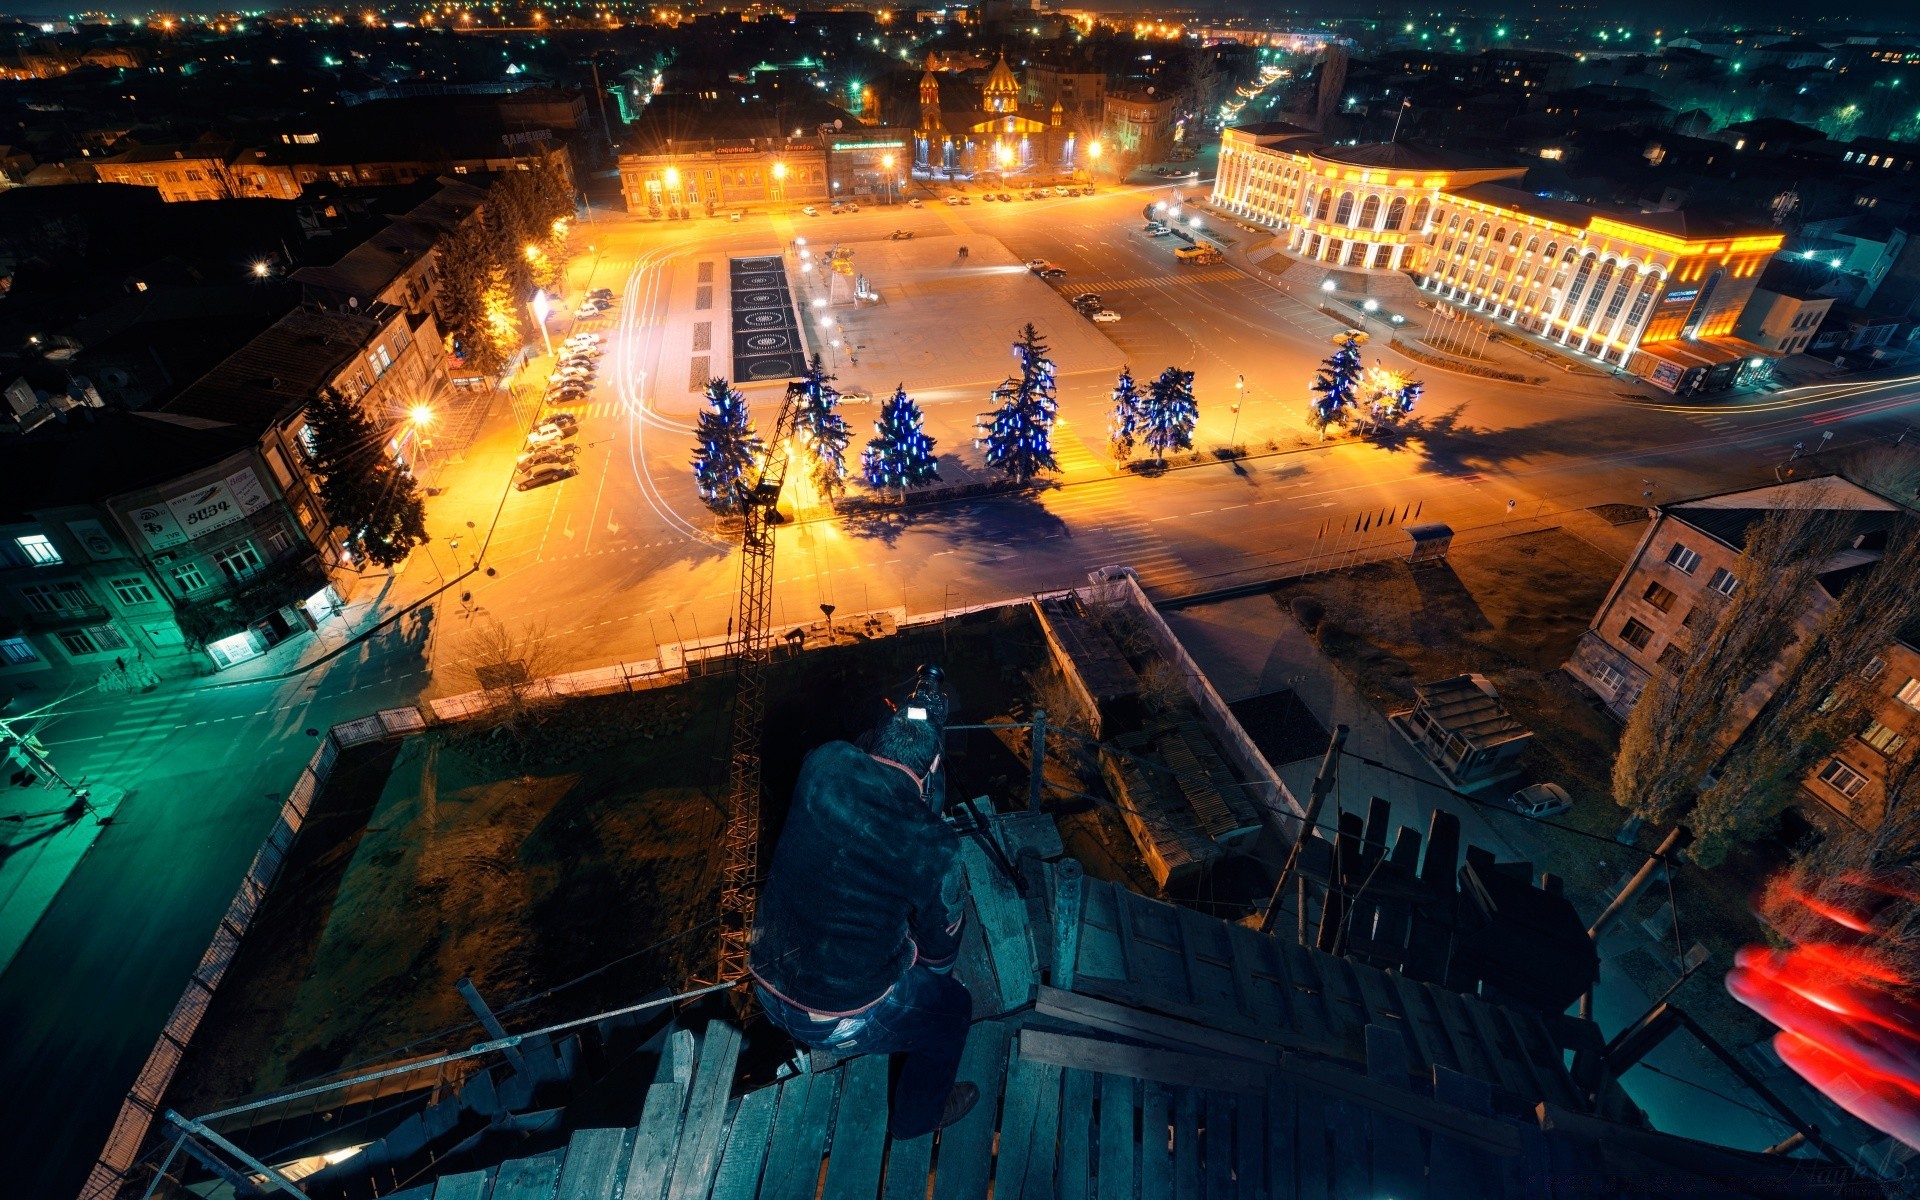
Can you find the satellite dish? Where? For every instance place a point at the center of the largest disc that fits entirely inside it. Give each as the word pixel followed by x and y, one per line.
pixel 353 302
pixel 1149 91
pixel 836 122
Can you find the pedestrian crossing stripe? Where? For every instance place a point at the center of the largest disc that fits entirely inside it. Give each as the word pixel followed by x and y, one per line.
pixel 1217 275
pixel 1069 451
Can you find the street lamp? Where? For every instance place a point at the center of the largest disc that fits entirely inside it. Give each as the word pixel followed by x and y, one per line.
pixel 1239 395
pixel 886 161
pixel 1094 150
pixel 780 181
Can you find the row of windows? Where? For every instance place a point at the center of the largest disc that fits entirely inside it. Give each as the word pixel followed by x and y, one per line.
pixel 1342 211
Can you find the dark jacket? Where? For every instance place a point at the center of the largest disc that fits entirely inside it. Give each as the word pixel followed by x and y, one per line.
pixel 865 880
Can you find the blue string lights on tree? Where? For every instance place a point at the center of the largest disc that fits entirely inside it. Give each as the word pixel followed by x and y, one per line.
pixel 1124 422
pixel 1171 413
pixel 725 446
pixel 899 455
pixel 1020 438
pixel 1336 387
pixel 823 431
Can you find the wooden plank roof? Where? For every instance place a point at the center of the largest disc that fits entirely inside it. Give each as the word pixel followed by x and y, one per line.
pixel 1186 1057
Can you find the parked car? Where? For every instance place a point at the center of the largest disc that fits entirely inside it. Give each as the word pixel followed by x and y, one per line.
pixel 1541 800
pixel 529 459
pixel 856 396
pixel 546 435
pixel 955 201
pixel 600 293
pixel 852 207
pixel 900 235
pixel 989 197
pixel 913 202
pixel 566 423
pixel 963 200
pixel 736 216
pixel 582 339
pixel 1104 316
pixel 542 476
pixel 1061 189
pixel 1005 199
pixel 810 211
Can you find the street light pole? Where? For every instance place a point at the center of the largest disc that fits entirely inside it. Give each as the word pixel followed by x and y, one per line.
pixel 1239 397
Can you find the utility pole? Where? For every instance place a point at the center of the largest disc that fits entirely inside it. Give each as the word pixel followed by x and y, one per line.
pixel 1316 797
pixel 28 747
pixel 1037 769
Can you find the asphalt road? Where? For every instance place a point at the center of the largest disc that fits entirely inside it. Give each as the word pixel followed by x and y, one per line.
pixel 620 559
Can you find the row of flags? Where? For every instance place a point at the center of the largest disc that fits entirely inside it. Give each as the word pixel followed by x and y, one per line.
pixel 1366 522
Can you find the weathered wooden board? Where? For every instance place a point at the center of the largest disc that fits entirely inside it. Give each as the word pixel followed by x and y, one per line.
pixel 859 1132
pixel 965 1155
pixel 593 1162
pixel 533 1178
pixel 745 1154
pixel 705 1120
pixel 1119 1151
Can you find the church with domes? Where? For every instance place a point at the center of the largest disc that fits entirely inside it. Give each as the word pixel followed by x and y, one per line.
pixel 966 130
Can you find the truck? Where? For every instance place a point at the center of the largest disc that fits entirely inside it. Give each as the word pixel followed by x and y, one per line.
pixel 1200 253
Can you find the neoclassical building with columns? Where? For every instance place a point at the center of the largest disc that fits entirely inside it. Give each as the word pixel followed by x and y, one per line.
pixel 1656 293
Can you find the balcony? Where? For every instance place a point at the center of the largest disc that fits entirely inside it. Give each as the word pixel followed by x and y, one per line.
pixel 66 618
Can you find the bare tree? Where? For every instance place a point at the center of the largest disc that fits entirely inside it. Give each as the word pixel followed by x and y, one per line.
pixel 1892 471
pixel 512 670
pixel 1689 715
pixel 1821 702
pixel 1862 870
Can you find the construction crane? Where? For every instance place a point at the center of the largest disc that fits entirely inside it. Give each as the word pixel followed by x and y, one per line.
pixel 759 500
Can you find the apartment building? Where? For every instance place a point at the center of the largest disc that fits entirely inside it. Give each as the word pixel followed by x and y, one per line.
pixel 1688 557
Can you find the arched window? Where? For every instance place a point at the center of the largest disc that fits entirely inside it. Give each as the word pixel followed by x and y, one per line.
pixel 1397 212
pixel 1593 296
pixel 1484 226
pixel 1451 225
pixel 1568 260
pixel 1553 248
pixel 1326 203
pixel 1534 245
pixel 1500 236
pixel 1344 212
pixel 1579 281
pixel 1370 212
pixel 1515 244
pixel 1420 216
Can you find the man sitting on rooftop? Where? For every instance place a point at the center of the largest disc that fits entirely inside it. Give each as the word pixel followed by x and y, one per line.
pixel 858 924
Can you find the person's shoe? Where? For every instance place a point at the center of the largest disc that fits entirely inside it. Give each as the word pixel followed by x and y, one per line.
pixel 960 1102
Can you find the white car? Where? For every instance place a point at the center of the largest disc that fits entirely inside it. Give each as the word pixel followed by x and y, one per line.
pixel 1541 800
pixel 1104 316
pixel 856 396
pixel 583 340
pixel 954 201
pixel 547 435
pixel 913 203
pixel 851 207
pixel 810 211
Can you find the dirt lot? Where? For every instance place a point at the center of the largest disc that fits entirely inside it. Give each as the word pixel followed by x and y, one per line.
pixel 580 849
pixel 1512 611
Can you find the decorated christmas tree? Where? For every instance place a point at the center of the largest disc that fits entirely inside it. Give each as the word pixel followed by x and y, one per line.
pixel 822 430
pixel 1336 388
pixel 1020 435
pixel 725 445
pixel 899 455
pixel 1124 423
pixel 1170 414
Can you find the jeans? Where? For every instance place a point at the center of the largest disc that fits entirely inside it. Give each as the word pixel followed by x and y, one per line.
pixel 925 1017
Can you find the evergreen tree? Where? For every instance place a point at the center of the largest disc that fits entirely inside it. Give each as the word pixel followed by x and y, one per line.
pixel 1171 413
pixel 899 455
pixel 725 445
pixel 502 332
pixel 1337 385
pixel 1020 438
pixel 823 430
pixel 1392 394
pixel 364 491
pixel 1124 423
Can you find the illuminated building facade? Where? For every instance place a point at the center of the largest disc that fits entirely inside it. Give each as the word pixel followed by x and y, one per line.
pixel 1656 293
